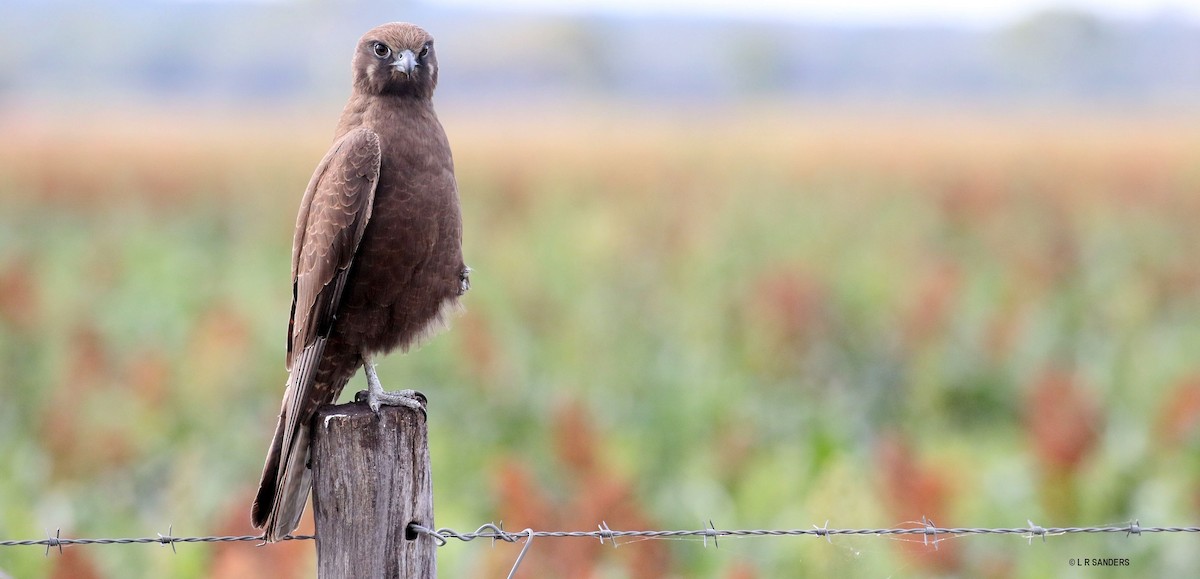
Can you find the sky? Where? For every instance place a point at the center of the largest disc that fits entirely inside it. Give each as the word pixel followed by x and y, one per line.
pixel 981 13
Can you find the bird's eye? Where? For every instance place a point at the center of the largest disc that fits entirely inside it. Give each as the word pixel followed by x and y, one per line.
pixel 382 51
pixel 424 51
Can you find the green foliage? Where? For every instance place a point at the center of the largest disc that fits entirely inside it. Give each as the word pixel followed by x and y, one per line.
pixel 655 337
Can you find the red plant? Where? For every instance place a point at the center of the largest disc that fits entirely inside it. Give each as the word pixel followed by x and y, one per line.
pixel 1063 421
pixel 914 491
pixel 1180 415
pixel 19 302
pixel 1002 330
pixel 929 312
pixel 149 377
pixel 73 444
pixel 789 306
pixel 74 563
pixel 742 570
pixel 968 201
pixel 480 348
pixel 283 560
pixel 596 493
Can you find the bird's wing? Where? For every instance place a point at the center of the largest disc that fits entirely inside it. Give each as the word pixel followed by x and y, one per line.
pixel 333 215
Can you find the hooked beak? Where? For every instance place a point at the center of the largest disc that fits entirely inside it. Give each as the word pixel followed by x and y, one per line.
pixel 405 62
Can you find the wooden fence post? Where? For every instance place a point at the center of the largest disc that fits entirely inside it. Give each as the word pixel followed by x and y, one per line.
pixel 371 480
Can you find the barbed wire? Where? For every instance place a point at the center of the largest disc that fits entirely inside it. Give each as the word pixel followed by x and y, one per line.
pixel 931 535
pixel 926 528
pixel 57 541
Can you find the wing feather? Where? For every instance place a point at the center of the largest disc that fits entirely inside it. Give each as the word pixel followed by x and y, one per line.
pixel 334 212
pixel 333 216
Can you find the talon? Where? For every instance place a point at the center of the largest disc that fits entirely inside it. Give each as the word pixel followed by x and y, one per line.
pixel 464 281
pixel 377 397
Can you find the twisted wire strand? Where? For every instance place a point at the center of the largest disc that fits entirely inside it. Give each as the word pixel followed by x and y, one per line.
pixel 493 532
pixel 603 533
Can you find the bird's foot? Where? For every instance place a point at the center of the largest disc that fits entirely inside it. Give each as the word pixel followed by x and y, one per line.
pixel 464 280
pixel 375 396
pixel 406 398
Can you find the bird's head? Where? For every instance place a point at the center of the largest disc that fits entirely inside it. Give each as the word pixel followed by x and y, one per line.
pixel 398 59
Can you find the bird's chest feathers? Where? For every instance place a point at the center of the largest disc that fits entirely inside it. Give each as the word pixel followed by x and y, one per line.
pixel 415 210
pixel 412 185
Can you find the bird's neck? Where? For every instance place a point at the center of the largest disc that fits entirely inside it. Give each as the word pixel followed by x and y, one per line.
pixel 379 111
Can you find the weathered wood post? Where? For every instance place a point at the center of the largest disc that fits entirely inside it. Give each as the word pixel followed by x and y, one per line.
pixel 371 480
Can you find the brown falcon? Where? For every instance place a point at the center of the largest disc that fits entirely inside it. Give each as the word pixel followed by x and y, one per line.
pixel 377 255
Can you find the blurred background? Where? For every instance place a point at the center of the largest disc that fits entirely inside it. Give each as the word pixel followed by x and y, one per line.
pixel 764 264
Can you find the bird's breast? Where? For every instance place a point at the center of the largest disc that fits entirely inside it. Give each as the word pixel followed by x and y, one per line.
pixel 408 267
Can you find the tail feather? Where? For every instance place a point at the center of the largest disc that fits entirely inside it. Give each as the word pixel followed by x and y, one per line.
pixel 283 493
pixel 284 487
pixel 286 478
pixel 292 492
pixel 267 485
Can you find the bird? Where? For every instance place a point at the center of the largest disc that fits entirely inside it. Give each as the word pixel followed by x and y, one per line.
pixel 377 262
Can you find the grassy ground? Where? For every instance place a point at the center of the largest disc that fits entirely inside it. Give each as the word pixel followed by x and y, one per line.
pixel 768 319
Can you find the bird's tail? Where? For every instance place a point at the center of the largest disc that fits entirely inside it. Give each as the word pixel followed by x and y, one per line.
pixel 286 480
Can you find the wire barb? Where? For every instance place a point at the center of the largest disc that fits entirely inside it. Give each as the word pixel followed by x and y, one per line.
pixel 930 529
pixel 711 531
pixel 498 527
pixel 1035 530
pixel 823 531
pixel 168 539
pixel 607 533
pixel 54 541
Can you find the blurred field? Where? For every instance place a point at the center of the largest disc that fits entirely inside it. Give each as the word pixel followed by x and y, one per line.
pixel 765 318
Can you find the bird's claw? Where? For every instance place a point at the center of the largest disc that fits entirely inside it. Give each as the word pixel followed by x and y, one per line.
pixel 464 280
pixel 376 397
pixel 406 398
